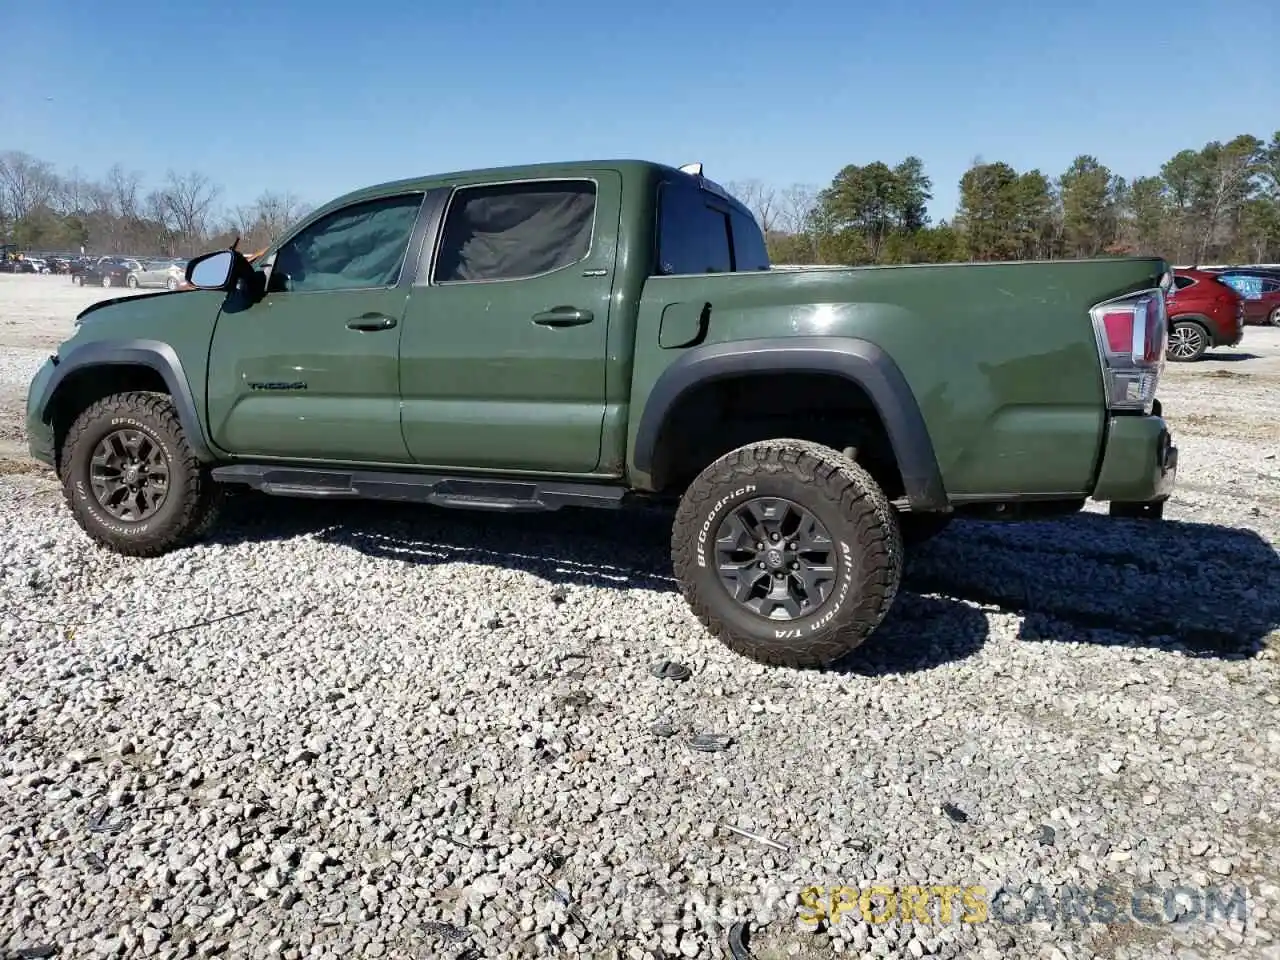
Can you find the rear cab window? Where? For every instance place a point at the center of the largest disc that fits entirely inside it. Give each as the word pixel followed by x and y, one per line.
pixel 701 231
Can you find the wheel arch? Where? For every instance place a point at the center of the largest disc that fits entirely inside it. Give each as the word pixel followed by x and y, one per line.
pixel 860 363
pixel 100 368
pixel 1199 319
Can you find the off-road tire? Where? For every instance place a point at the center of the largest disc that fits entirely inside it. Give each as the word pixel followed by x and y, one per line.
pixel 920 528
pixel 193 499
pixel 844 498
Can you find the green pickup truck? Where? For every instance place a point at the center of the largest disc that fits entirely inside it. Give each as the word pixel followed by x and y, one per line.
pixel 602 334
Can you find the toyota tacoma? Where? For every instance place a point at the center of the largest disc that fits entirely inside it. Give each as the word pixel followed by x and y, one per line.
pixel 603 334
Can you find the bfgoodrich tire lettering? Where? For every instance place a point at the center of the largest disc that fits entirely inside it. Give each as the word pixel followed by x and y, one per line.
pixel 190 503
pixel 844 499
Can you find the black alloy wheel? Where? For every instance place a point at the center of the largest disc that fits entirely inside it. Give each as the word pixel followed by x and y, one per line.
pixel 129 475
pixel 775 558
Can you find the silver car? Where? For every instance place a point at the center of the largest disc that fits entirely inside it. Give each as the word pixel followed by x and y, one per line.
pixel 157 273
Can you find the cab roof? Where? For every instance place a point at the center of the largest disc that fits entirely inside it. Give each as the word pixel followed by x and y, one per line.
pixel 628 168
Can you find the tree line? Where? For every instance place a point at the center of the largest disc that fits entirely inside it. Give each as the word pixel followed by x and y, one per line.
pixel 1217 204
pixel 42 209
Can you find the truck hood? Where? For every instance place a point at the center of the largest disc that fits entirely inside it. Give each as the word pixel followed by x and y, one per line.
pixel 113 301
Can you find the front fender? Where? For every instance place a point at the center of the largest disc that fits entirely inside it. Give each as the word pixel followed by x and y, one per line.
pixel 154 354
pixel 859 361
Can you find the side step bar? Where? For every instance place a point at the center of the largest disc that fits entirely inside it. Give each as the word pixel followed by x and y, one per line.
pixel 470 493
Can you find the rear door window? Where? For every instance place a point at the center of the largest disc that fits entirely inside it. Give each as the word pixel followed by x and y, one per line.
pixel 516 230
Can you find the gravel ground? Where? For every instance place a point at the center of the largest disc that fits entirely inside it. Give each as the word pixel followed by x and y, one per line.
pixel 379 731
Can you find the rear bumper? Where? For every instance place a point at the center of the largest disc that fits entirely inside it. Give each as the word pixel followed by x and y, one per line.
pixel 1230 331
pixel 1140 462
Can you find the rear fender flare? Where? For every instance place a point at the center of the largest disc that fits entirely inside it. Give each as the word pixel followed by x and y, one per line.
pixel 858 361
pixel 156 355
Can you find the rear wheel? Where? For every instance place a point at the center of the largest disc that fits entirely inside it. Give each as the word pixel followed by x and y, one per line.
pixel 1274 319
pixel 132 282
pixel 788 552
pixel 1187 341
pixel 106 280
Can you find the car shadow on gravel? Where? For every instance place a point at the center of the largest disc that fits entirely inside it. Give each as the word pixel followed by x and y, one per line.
pixel 1194 588
pixel 1231 357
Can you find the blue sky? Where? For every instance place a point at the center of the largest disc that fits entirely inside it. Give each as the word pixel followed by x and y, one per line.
pixel 321 97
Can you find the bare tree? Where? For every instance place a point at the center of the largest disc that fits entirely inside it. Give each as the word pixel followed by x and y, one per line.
pixel 122 187
pixel 73 193
pixel 277 212
pixel 25 183
pixel 796 207
pixel 190 199
pixel 758 197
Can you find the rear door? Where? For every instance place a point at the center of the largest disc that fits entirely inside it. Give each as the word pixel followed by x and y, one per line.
pixel 311 371
pixel 503 356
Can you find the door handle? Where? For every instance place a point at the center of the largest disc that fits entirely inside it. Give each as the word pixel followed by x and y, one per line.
pixel 371 321
pixel 563 317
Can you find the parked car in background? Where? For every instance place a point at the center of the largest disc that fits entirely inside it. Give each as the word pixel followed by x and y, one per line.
pixel 158 273
pixel 1260 291
pixel 1204 312
pixel 108 272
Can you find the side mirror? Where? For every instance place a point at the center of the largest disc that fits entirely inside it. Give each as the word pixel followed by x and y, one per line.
pixel 212 271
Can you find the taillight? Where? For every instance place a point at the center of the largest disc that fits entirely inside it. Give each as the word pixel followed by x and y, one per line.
pixel 1132 334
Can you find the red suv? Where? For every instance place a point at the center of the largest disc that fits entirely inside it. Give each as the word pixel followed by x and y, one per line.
pixel 1203 312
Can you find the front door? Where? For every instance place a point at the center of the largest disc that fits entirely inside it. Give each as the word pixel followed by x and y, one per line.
pixel 503 356
pixel 311 371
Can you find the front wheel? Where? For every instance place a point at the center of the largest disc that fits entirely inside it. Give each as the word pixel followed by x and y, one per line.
pixel 1187 341
pixel 132 282
pixel 788 552
pixel 131 479
pixel 1274 319
pixel 106 280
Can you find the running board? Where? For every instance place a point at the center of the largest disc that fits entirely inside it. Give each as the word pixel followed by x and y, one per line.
pixel 468 493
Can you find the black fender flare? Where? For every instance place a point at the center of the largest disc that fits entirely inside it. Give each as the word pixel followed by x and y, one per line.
pixel 859 361
pixel 156 355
